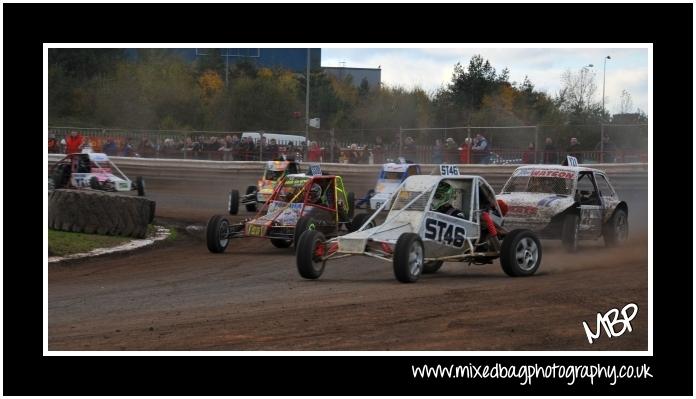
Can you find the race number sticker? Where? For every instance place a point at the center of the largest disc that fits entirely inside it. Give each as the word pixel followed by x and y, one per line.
pixel 449 170
pixel 444 232
pixel 315 170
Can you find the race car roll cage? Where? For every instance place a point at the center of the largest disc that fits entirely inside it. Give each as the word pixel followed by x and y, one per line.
pixel 384 249
pixel 270 231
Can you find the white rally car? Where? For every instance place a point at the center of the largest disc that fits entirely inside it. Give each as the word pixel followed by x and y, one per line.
pixel 417 237
pixel 566 202
pixel 389 179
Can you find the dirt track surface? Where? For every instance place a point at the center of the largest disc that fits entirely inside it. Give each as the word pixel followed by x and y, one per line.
pixel 178 296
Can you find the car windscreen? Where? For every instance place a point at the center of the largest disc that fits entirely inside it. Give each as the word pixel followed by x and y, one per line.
pixel 539 184
pixel 274 174
pixel 392 175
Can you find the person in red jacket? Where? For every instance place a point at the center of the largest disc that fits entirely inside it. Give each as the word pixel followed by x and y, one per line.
pixel 314 152
pixel 73 143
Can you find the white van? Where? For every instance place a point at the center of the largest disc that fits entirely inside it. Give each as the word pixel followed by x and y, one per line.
pixel 280 139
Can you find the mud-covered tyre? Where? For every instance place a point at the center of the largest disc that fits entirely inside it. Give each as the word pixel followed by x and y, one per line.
pixel 140 186
pixel 520 253
pixel 569 232
pixel 281 243
pixel 216 229
pixel 94 183
pixel 310 249
pixel 432 266
pixel 252 206
pixel 359 220
pixel 233 202
pixel 408 258
pixel 99 212
pixel 305 223
pixel 615 231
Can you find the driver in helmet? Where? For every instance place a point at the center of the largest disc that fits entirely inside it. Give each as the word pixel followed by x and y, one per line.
pixel 441 201
pixel 314 194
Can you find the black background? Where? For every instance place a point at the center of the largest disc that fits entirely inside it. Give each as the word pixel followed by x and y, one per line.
pixel 27 26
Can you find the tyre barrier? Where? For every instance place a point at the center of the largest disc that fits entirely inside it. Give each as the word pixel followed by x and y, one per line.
pixel 98 212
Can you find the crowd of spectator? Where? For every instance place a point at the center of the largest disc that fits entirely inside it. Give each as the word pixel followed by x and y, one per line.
pixel 476 150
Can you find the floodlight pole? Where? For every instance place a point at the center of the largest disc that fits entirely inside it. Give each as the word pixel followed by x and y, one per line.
pixel 306 154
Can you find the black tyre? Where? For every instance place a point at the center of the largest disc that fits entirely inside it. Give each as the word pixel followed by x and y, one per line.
pixel 280 243
pixel 520 254
pixel 305 223
pixel 310 250
pixel 569 232
pixel 233 202
pixel 359 220
pixel 408 258
pixel 140 186
pixel 94 183
pixel 432 266
pixel 61 176
pixel 153 205
pixel 351 205
pixel 216 229
pixel 252 206
pixel 615 231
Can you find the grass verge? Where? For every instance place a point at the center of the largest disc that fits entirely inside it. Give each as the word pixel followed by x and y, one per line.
pixel 61 243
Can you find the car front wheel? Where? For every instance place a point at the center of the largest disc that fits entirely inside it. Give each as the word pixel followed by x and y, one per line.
pixel 408 258
pixel 520 254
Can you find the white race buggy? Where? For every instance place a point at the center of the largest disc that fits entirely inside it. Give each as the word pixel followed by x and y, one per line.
pixel 389 179
pixel 567 202
pixel 418 239
pixel 92 170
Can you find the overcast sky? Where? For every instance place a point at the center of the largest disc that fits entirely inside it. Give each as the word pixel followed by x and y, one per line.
pixel 431 67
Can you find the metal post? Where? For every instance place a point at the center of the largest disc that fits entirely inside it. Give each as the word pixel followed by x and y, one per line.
pixel 604 81
pixel 227 66
pixel 306 155
pixel 601 142
pixel 332 144
pixel 401 140
pixel 536 143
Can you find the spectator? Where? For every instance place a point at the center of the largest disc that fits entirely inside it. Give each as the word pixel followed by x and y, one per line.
pixel 353 154
pixel 550 155
pixel 378 150
pixel 314 154
pixel 609 150
pixel 451 150
pixel 574 149
pixel 480 150
pixel 146 149
pixel 528 156
pixel 437 157
pixel 86 145
pixel 73 143
pixel 336 153
pixel 53 146
pixel 128 150
pixel 465 151
pixel 110 148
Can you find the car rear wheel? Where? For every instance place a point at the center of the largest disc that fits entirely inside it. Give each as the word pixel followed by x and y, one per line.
pixel 358 221
pixel 520 254
pixel 216 231
pixel 281 243
pixel 140 186
pixel 233 202
pixel 569 233
pixel 408 258
pixel 432 266
pixel 311 249
pixel 251 207
pixel 615 232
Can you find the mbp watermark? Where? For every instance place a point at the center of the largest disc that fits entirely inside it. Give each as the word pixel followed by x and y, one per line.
pixel 609 320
